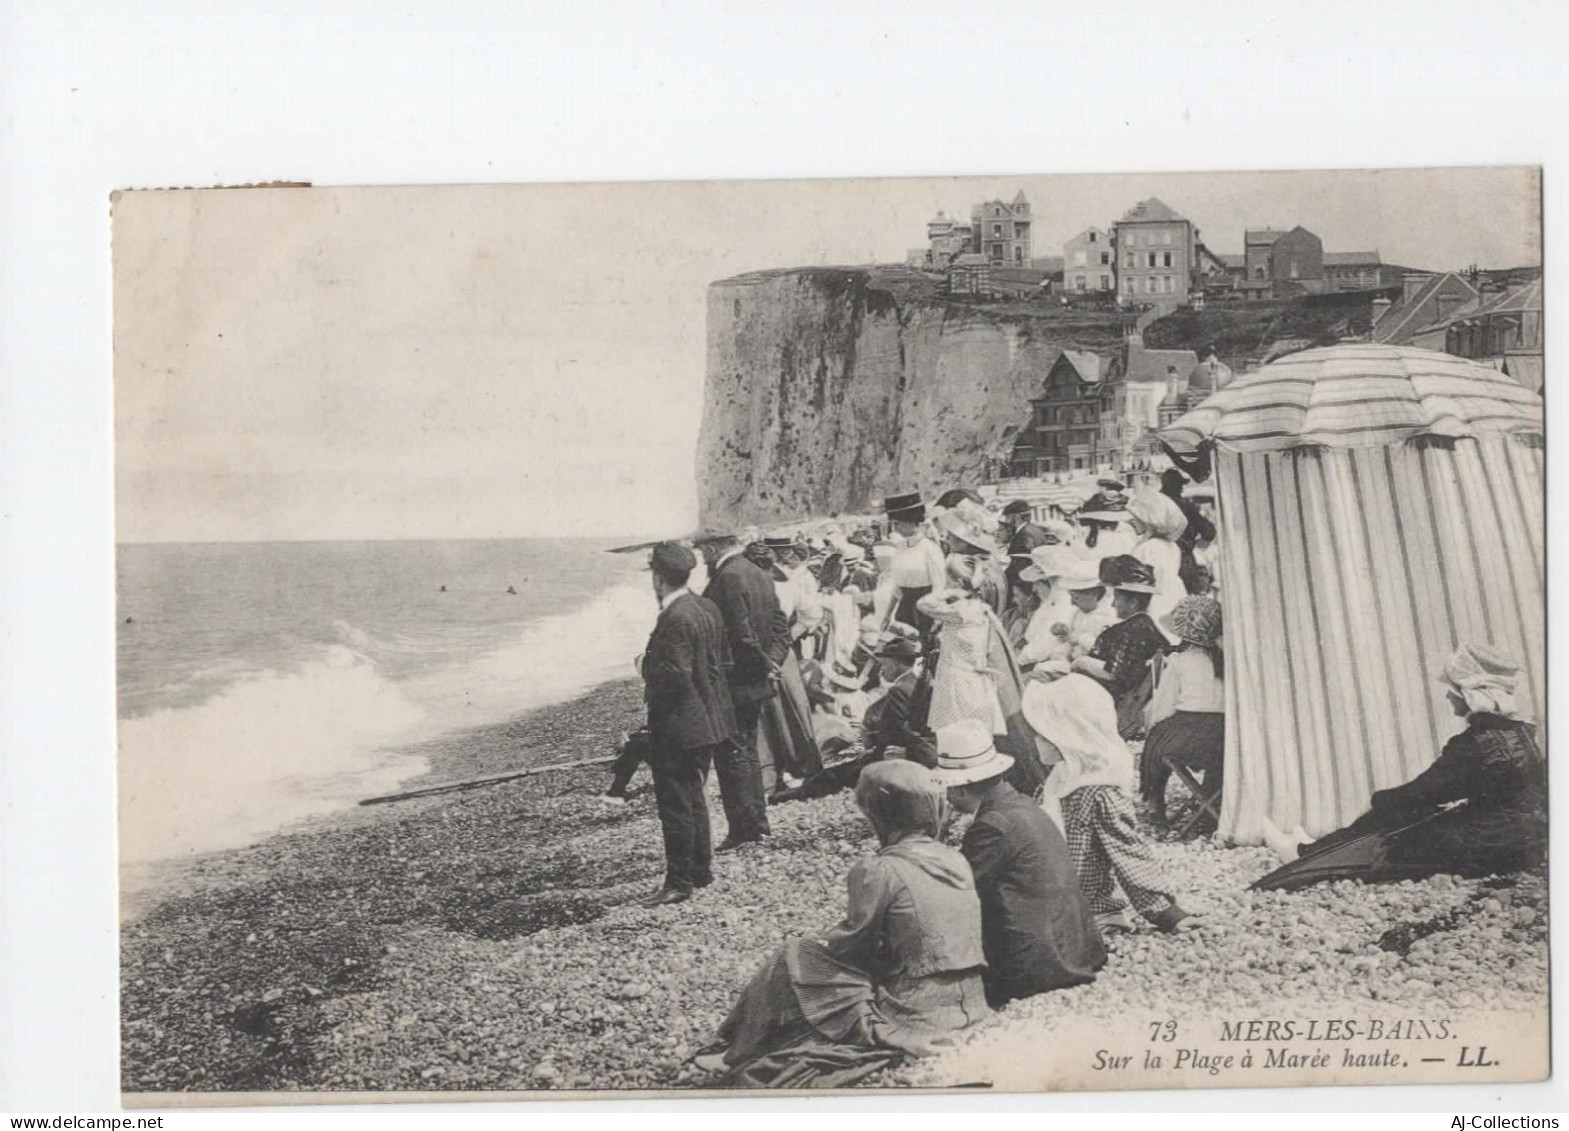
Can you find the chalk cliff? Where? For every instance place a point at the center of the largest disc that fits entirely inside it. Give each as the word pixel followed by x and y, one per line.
pixel 829 387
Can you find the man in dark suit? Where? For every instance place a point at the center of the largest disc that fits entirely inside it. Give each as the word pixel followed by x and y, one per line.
pixel 1023 536
pixel 690 718
pixel 758 637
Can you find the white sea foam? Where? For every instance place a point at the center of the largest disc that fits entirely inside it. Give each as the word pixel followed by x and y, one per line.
pixel 276 747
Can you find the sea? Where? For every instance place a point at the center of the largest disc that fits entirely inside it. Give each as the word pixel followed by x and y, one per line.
pixel 263 683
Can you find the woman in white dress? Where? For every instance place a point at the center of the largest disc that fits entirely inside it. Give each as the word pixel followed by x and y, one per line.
pixel 1159 522
pixel 1048 564
pixel 963 686
pixel 916 569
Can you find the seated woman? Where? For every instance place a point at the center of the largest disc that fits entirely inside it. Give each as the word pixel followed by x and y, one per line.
pixel 894 726
pixel 1091 785
pixel 1036 927
pixel 1479 810
pixel 901 971
pixel 1187 715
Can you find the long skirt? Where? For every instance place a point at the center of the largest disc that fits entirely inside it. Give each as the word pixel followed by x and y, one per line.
pixel 1195 739
pixel 1109 852
pixel 807 1020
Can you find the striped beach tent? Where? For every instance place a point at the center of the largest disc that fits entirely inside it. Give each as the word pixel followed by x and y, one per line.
pixel 1378 505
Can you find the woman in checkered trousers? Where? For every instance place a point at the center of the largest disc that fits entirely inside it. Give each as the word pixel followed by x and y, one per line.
pixel 1076 716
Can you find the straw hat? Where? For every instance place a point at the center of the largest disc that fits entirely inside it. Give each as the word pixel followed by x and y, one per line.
pixel 842 678
pixel 1047 563
pixel 1080 577
pixel 966 754
pixel 964 523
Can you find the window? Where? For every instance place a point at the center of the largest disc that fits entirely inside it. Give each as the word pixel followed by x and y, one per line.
pixel 1079 258
pixel 1149 284
pixel 1105 258
pixel 1165 283
pixel 1105 282
pixel 1092 237
pixel 1079 282
pixel 1294 269
pixel 1166 259
pixel 1151 259
pixel 1129 285
pixel 1165 238
pixel 1127 260
pixel 996 231
pixel 1258 272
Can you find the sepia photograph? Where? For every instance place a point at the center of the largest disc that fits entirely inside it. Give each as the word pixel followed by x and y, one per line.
pixel 1030 634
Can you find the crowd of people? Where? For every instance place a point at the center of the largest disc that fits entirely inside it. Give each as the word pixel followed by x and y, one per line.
pixel 996 685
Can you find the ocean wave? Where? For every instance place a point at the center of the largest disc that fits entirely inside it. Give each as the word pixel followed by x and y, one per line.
pixel 274 747
pixel 265 751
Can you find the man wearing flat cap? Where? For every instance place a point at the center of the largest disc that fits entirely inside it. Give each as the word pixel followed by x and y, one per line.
pixel 690 718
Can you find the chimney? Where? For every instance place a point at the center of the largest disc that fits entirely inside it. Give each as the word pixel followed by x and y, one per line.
pixel 1413 283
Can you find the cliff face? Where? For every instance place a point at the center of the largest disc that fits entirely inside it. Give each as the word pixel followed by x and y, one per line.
pixel 828 388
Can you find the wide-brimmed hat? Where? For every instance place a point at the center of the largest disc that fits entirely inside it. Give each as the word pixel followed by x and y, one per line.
pixel 966 753
pixel 898 648
pixel 1126 572
pixel 1048 563
pixel 779 541
pixel 843 678
pixel 1104 507
pixel 907 507
pixel 1081 577
pixel 1110 484
pixel 1196 620
pixel 961 522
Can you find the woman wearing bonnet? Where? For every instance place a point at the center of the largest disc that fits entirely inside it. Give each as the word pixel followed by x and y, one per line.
pixel 1480 809
pixel 899 974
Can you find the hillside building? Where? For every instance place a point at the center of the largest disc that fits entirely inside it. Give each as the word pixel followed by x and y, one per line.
pixel 1154 253
pixel 1064 432
pixel 1002 232
pixel 1087 262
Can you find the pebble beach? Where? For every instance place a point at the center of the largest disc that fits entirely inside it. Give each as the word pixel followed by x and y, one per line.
pixel 490 940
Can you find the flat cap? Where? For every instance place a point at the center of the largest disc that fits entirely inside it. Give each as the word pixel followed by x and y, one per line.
pixel 672 557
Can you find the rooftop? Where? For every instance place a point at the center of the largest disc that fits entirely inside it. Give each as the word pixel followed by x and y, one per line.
pixel 1352 259
pixel 1403 316
pixel 1151 365
pixel 1086 364
pixel 1149 212
pixel 1515 300
pixel 1262 237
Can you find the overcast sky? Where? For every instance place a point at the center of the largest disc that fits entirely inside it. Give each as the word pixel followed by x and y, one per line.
pixel 528 360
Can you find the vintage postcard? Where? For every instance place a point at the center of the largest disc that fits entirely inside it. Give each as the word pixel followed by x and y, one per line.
pixel 1029 634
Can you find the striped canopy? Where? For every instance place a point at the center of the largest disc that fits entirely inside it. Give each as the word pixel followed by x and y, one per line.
pixel 1355 396
pixel 1067 496
pixel 1378 507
